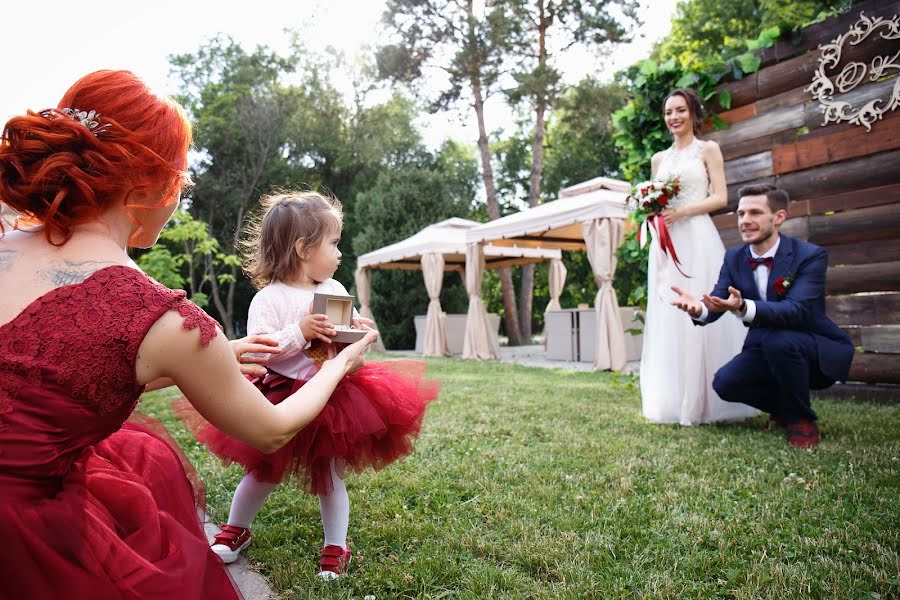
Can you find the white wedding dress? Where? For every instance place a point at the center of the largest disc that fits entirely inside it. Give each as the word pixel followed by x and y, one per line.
pixel 679 359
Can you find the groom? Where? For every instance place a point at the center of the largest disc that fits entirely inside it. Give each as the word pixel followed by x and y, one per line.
pixel 776 285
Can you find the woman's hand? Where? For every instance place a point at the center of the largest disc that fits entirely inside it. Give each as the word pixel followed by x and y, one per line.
pixel 256 344
pixel 351 358
pixel 362 323
pixel 672 215
pixel 317 327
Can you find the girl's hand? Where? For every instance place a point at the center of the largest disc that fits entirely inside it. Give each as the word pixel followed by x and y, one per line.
pixel 255 344
pixel 317 327
pixel 671 215
pixel 350 359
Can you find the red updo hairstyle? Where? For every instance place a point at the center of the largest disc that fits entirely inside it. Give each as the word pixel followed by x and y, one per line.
pixel 58 172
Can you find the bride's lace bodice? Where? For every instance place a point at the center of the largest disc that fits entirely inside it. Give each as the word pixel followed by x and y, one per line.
pixel 687 164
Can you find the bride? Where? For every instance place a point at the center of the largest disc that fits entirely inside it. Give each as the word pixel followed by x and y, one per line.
pixel 679 358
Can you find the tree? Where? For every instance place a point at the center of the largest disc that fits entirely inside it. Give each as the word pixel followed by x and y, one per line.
pixel 184 257
pixel 578 146
pixel 402 201
pixel 241 111
pixel 547 29
pixel 469 48
pixel 579 143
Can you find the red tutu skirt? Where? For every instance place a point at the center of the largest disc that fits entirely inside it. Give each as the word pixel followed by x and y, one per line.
pixel 371 420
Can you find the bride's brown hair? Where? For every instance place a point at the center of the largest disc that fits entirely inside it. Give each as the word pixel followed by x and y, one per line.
pixel 61 168
pixel 695 106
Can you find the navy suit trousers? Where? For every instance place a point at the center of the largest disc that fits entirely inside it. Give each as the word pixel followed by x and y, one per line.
pixel 774 374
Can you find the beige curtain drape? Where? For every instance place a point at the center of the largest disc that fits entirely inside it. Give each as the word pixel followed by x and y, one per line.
pixel 556 279
pixel 602 237
pixel 479 343
pixel 435 336
pixel 363 294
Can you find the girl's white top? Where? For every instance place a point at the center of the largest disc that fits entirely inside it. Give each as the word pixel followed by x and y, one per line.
pixel 276 311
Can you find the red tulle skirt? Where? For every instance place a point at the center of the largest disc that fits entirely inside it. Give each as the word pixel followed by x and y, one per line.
pixel 123 524
pixel 371 420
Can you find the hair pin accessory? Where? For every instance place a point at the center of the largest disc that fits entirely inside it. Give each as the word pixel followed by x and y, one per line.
pixel 89 119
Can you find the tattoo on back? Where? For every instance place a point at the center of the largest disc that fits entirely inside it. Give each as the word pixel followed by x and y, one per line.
pixel 71 271
pixel 7 259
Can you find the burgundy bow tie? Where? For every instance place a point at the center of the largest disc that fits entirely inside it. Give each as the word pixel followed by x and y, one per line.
pixel 755 262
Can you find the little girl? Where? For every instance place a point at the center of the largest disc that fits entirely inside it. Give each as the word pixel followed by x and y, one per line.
pixel 373 415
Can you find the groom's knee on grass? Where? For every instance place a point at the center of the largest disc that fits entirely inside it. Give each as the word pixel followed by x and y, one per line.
pixel 725 384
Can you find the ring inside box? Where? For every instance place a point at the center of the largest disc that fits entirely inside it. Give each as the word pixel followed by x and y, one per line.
pixel 339 310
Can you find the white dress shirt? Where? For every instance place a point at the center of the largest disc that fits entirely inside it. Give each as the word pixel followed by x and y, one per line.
pixel 761 276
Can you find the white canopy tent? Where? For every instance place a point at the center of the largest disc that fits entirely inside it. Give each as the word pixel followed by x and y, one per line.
pixel 442 247
pixel 588 216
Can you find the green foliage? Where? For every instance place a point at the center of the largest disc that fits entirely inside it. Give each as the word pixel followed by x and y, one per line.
pixel 402 201
pixel 186 257
pixel 631 270
pixel 550 484
pixel 163 266
pixel 579 140
pixel 709 31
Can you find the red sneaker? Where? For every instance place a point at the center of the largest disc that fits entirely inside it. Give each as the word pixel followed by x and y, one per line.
pixel 230 541
pixel 334 561
pixel 803 434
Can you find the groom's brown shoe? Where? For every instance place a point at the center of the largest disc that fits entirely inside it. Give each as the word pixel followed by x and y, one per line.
pixel 803 434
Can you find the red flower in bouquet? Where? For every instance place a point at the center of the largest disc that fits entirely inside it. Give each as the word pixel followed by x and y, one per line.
pixel 651 197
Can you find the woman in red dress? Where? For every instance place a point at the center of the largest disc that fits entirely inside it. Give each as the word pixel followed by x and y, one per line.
pixel 94 502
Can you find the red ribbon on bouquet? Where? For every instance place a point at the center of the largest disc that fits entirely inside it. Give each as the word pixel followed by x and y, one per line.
pixel 656 222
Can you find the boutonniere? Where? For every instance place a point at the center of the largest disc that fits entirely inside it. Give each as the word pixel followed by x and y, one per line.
pixel 782 284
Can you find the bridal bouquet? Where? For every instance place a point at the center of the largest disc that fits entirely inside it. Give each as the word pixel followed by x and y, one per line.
pixel 648 199
pixel 651 197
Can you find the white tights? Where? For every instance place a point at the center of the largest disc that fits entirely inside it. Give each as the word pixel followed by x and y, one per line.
pixel 251 494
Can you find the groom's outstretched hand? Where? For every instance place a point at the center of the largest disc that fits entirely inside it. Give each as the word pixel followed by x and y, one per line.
pixel 686 302
pixel 734 302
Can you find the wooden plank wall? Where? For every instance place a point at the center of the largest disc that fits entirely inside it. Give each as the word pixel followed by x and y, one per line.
pixel 844 184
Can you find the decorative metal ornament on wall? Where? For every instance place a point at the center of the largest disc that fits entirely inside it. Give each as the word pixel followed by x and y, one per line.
pixel 854 73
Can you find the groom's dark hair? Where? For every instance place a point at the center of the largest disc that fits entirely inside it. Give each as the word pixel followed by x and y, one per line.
pixel 777 198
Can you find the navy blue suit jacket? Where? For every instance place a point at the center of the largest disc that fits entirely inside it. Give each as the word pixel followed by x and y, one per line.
pixel 801 308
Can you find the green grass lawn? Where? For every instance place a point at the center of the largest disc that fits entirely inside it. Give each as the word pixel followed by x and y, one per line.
pixel 536 483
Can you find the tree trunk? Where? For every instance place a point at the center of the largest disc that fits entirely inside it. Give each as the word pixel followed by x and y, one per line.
pixel 526 292
pixel 224 313
pixel 510 314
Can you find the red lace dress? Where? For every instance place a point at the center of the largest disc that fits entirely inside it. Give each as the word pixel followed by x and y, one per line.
pixel 92 506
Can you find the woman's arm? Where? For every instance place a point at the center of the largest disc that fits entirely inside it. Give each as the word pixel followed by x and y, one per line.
pixel 718 197
pixel 243 349
pixel 212 382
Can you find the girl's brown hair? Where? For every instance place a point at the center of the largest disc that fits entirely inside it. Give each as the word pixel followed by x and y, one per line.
pixel 695 106
pixel 269 245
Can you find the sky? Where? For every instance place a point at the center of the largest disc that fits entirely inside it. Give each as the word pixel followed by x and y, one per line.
pixel 51 44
